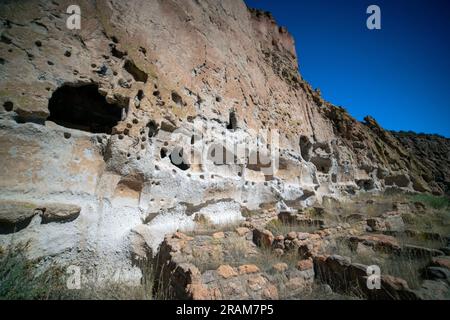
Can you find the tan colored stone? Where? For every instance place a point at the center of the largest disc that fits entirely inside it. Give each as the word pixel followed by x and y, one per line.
pixel 248 268
pixel 302 235
pixel 280 266
pixel 226 271
pixel 291 235
pixel 305 264
pixel 394 282
pixel 59 212
pixel 199 292
pixel 218 235
pixel 295 283
pixel 263 238
pixel 270 292
pixel 14 213
pixel 242 231
pixel 443 262
pixel 256 282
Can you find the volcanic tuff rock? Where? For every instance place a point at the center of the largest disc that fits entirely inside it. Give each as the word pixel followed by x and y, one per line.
pixel 96 118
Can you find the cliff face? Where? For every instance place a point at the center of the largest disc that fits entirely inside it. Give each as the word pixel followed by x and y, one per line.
pixel 97 117
pixel 434 153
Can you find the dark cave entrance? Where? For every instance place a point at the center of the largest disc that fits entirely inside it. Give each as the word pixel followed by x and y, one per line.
pixel 232 123
pixel 83 108
pixel 177 159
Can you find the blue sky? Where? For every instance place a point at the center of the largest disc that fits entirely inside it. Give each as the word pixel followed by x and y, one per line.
pixel 400 74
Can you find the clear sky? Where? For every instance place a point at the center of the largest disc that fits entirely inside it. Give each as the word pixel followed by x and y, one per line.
pixel 400 74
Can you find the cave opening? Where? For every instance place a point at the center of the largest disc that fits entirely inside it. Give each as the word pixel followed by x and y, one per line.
pixel 83 108
pixel 232 123
pixel 152 129
pixel 178 160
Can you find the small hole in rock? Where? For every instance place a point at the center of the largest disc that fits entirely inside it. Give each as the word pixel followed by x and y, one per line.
pixel 177 98
pixel 177 159
pixel 143 50
pixel 163 153
pixel 67 135
pixel 152 128
pixel 232 124
pixel 117 53
pixel 38 43
pixel 5 39
pixel 137 73
pixel 8 105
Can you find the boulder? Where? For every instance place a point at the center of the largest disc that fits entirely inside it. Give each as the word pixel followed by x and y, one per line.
pixel 58 212
pixel 377 242
pixel 226 271
pixel 436 273
pixel 263 238
pixel 393 222
pixel 442 262
pixel 434 290
pixel 419 251
pixel 306 264
pixel 248 268
pixel 242 231
pixel 140 243
pixel 16 215
pixel 280 266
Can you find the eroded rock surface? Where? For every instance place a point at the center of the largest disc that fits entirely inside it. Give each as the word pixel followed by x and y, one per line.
pixel 151 118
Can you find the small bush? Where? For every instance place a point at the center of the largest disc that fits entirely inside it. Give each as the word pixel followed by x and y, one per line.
pixel 22 279
pixel 278 227
pixel 435 202
pixel 19 279
pixel 404 266
pixel 208 259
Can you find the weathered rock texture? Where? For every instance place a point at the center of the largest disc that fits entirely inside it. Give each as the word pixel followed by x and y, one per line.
pixel 434 151
pixel 94 118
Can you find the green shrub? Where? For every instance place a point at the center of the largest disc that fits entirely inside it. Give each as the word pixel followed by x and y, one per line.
pixel 435 202
pixel 19 279
pixel 22 279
